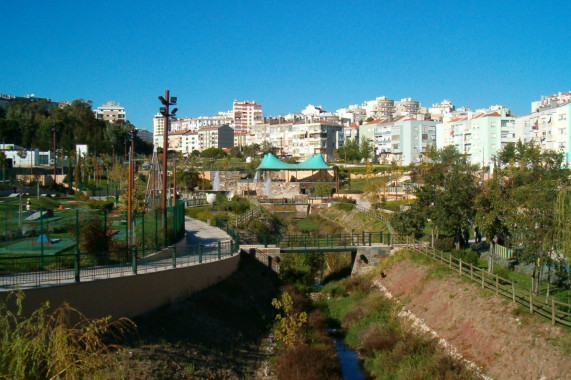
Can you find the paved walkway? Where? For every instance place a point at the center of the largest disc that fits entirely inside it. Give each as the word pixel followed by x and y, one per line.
pixel 197 232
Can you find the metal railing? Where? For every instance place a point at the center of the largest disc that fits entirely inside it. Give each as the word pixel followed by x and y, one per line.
pixel 319 242
pixel 34 271
pixel 377 216
pixel 265 259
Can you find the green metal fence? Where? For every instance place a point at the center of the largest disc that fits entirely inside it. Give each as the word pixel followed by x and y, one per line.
pixel 320 242
pixel 56 245
pixel 76 267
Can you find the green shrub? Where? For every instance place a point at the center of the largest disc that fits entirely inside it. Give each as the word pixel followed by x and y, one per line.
pixel 106 205
pixel 444 244
pixel 466 255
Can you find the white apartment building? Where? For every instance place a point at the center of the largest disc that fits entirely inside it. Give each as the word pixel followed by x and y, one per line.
pixel 184 141
pixel 548 126
pixel 195 123
pixel 480 135
pixel 402 140
pixel 441 110
pixel 351 132
pixel 110 112
pixel 246 114
pixel 300 139
pixel 551 101
pixel 158 129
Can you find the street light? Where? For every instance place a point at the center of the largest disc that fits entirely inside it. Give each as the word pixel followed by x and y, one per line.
pixel 54 132
pixel 166 102
pixel 131 177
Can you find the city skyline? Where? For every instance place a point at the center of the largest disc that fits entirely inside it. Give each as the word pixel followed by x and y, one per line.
pixel 285 56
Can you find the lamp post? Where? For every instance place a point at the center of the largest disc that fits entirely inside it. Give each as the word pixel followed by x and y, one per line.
pixel 166 102
pixel 54 133
pixel 131 180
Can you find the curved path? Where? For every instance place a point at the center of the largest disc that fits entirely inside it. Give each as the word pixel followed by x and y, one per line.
pixel 196 233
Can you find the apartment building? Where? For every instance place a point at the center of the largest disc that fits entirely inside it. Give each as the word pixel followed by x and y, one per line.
pixel 184 142
pixel 110 112
pixel 246 115
pixel 217 136
pixel 481 135
pixel 402 140
pixel 158 129
pixel 441 110
pixel 548 125
pixel 300 139
pixel 351 132
pixel 551 101
pixel 195 123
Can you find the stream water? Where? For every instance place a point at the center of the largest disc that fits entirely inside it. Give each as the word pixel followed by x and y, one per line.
pixel 348 359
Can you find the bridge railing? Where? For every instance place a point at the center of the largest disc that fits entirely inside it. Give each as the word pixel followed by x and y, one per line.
pixel 319 241
pixel 265 259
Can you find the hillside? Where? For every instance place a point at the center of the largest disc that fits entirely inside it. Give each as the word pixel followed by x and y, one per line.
pixel 500 337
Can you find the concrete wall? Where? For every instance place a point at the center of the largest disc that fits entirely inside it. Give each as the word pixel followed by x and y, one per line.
pixel 132 295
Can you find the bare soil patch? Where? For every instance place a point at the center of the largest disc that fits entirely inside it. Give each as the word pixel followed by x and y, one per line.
pixel 217 333
pixel 507 342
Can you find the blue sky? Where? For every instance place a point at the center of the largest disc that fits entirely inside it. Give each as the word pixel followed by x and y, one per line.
pixel 285 54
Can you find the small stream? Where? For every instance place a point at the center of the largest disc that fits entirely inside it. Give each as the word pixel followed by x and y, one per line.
pixel 348 358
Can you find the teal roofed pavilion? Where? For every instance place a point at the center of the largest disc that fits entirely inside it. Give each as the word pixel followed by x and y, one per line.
pixel 306 173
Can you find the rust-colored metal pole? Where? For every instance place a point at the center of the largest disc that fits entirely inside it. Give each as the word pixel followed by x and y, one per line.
pixel 165 152
pixel 54 131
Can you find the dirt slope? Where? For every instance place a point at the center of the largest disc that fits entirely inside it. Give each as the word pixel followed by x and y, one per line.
pixel 487 329
pixel 213 334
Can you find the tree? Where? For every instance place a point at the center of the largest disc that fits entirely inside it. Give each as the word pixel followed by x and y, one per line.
pixel 349 151
pixel 408 223
pixel 251 150
pixel 507 154
pixel 492 207
pixel 288 323
pixel 321 189
pixel 447 196
pixel 190 178
pixel 268 148
pixel 213 153
pixel 366 149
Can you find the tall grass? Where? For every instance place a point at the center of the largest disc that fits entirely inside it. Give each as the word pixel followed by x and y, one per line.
pixel 390 348
pixel 61 344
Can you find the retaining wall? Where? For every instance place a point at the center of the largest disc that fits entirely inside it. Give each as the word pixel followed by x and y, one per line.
pixel 131 295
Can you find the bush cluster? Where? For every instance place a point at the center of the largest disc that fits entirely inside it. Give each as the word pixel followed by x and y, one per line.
pixel 466 255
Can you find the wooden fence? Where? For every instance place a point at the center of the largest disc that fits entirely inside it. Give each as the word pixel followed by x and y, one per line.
pixel 557 312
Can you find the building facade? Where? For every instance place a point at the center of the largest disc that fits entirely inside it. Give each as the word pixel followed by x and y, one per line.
pixel 158 129
pixel 300 139
pixel 110 112
pixel 216 137
pixel 403 140
pixel 246 115
pixel 481 135
pixel 550 127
